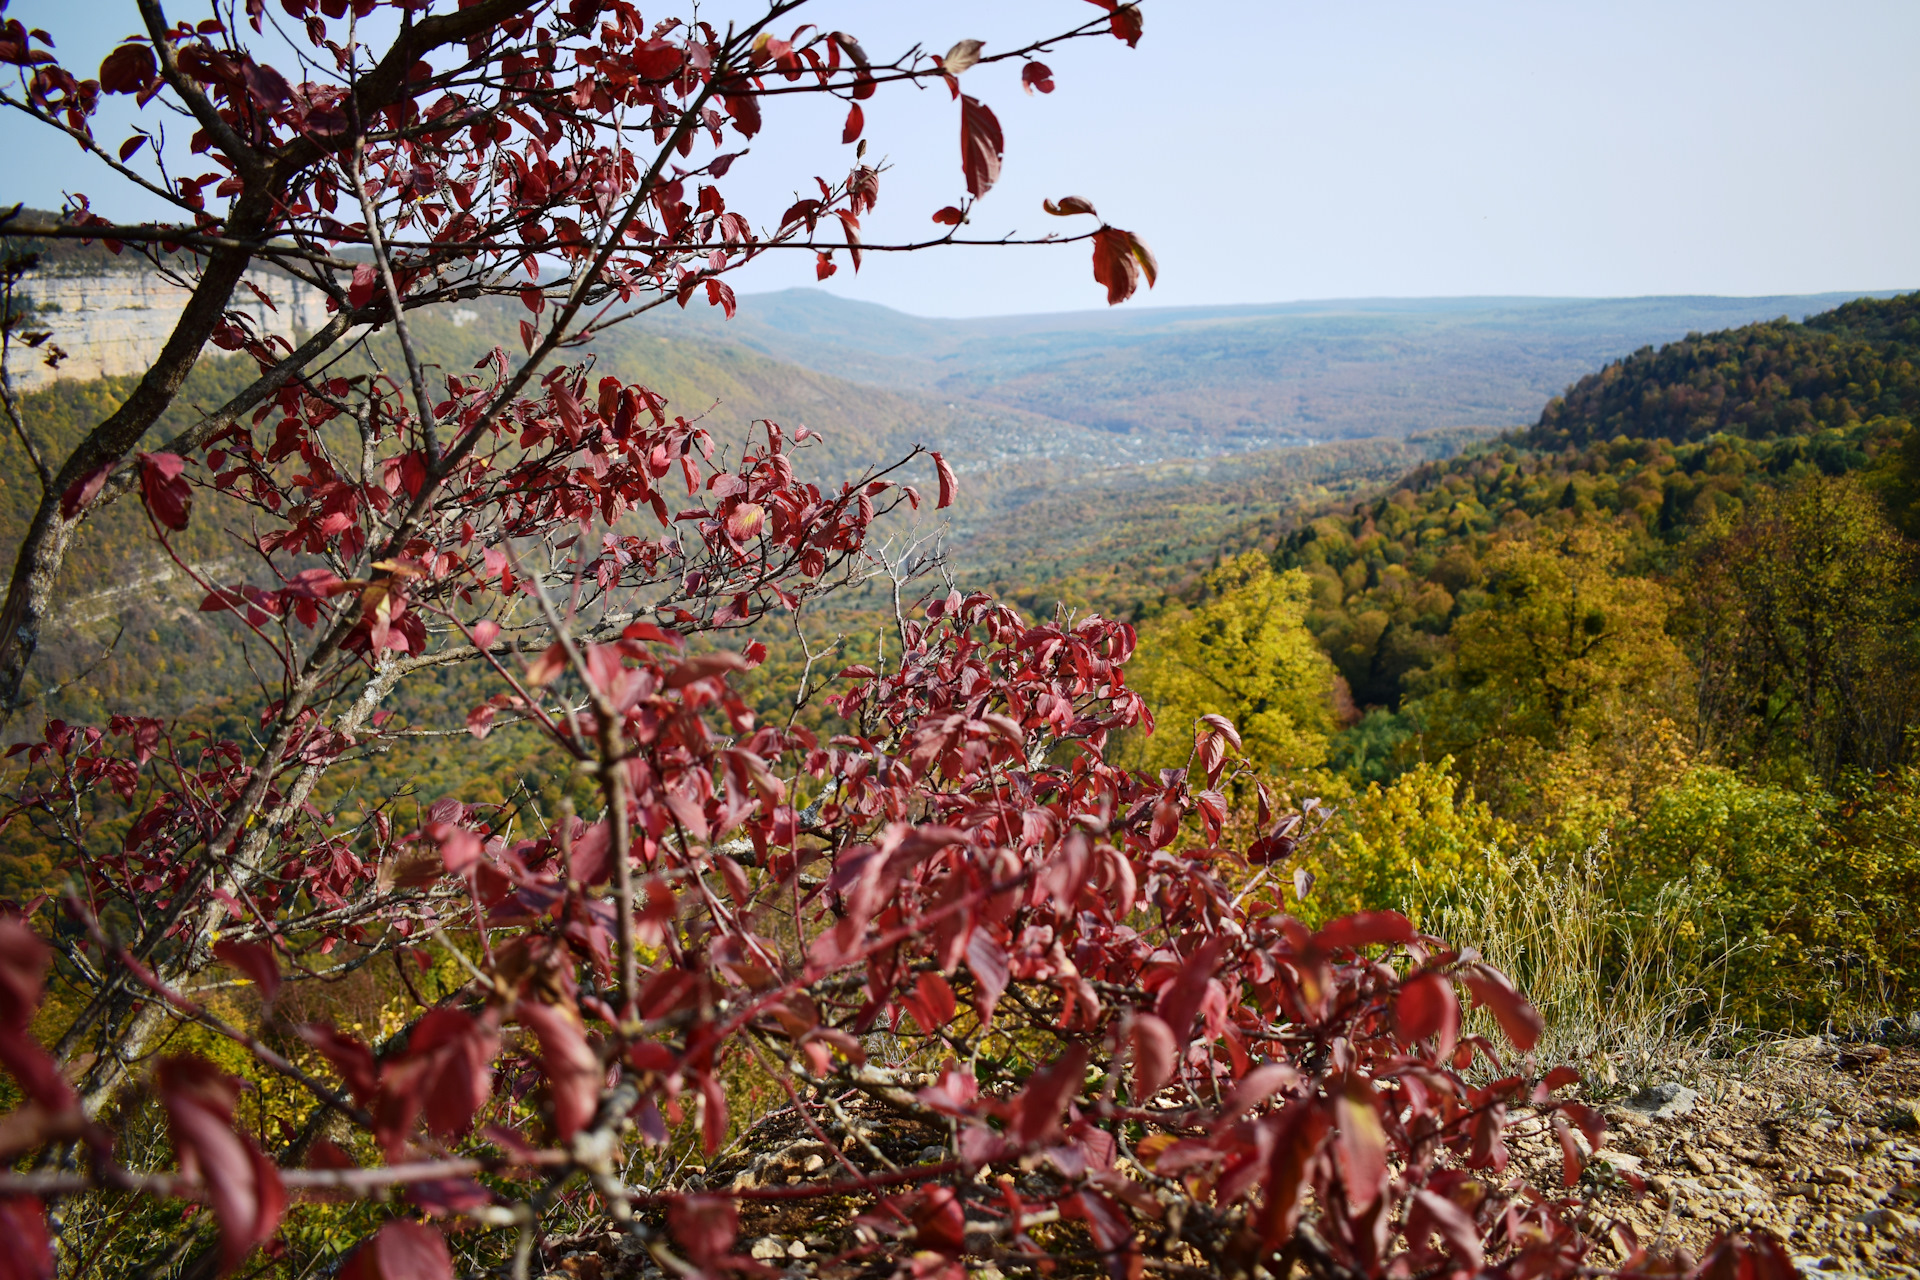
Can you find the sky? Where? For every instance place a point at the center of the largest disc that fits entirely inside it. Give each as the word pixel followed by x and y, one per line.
pixel 1271 151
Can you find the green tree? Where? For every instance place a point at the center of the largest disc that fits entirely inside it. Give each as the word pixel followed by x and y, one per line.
pixel 1561 679
pixel 1803 625
pixel 1243 652
pixel 1563 637
pixel 1803 896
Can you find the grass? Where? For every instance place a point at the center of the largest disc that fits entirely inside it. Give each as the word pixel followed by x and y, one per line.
pixel 1630 994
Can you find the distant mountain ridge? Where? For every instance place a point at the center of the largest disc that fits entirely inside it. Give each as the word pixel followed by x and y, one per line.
pixel 1856 363
pixel 1200 381
pixel 1121 386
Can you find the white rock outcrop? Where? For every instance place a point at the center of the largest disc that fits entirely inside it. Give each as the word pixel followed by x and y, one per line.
pixel 115 321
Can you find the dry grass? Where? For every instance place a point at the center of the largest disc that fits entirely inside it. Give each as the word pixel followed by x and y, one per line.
pixel 1629 994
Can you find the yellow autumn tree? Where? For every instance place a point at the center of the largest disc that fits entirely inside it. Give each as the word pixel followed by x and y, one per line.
pixel 1565 685
pixel 1244 652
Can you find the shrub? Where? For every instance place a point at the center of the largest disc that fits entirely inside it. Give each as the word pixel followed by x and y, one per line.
pixel 1401 844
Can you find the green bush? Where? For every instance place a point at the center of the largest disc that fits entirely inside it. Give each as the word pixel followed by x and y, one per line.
pixel 1810 893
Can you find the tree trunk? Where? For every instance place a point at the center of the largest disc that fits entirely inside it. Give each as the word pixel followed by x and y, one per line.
pixel 44 549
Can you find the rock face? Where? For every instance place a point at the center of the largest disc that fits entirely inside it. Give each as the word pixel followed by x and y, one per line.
pixel 114 321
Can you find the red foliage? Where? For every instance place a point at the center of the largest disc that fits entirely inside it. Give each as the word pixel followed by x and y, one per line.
pixel 242 1185
pixel 1178 1065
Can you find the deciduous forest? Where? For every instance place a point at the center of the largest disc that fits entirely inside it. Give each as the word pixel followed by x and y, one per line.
pixel 476 804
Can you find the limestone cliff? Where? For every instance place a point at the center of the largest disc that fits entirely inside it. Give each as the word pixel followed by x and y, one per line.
pixel 113 319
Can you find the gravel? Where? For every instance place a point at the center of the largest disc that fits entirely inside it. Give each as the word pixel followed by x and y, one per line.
pixel 1811 1141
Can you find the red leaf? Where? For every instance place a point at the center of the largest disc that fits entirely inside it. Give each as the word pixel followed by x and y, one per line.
pixel 1224 727
pixel 713 1114
pixel 1180 999
pixel 948 216
pixel 1296 1149
pixel 128 69
pixel 1069 206
pixel 1112 1234
pixel 543 669
pixel 1038 1105
pixel 1125 24
pixel 745 110
pixel 1154 1056
pixel 447 1072
pixel 656 59
pixel 704 667
pixel 948 485
pixel 242 1185
pixel 981 145
pixel 84 490
pixel 1426 1006
pixel 29 1251
pixel 23 968
pixel 823 266
pixel 1119 258
pixel 987 961
pixel 1756 1256
pixel 1360 1143
pixel 132 145
pixel 267 86
pixel 459 847
pixel 940 1223
pixel 1558 1078
pixel 1036 75
pixel 168 495
pixel 705 1227
pixel 648 631
pixel 360 291
pixel 856 121
pixel 1259 1084
pixel 1430 1214
pixel 34 1068
pixel 1571 1161
pixel 1166 821
pixel 256 961
pixel 1520 1020
pixel 352 1059
pixel 852 46
pixel 746 520
pixel 573 1072
pixel 932 1003
pixel 401 1250
pixel 1363 929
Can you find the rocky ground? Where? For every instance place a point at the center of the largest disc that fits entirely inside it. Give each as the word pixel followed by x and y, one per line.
pixel 1816 1141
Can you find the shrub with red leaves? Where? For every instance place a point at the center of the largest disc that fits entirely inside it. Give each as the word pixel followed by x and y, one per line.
pixel 956 908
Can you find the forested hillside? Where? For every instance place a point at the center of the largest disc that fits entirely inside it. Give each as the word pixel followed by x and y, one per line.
pixel 130 612
pixel 1761 382
pixel 1668 635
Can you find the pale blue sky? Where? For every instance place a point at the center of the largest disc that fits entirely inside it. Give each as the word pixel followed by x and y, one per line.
pixel 1276 151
